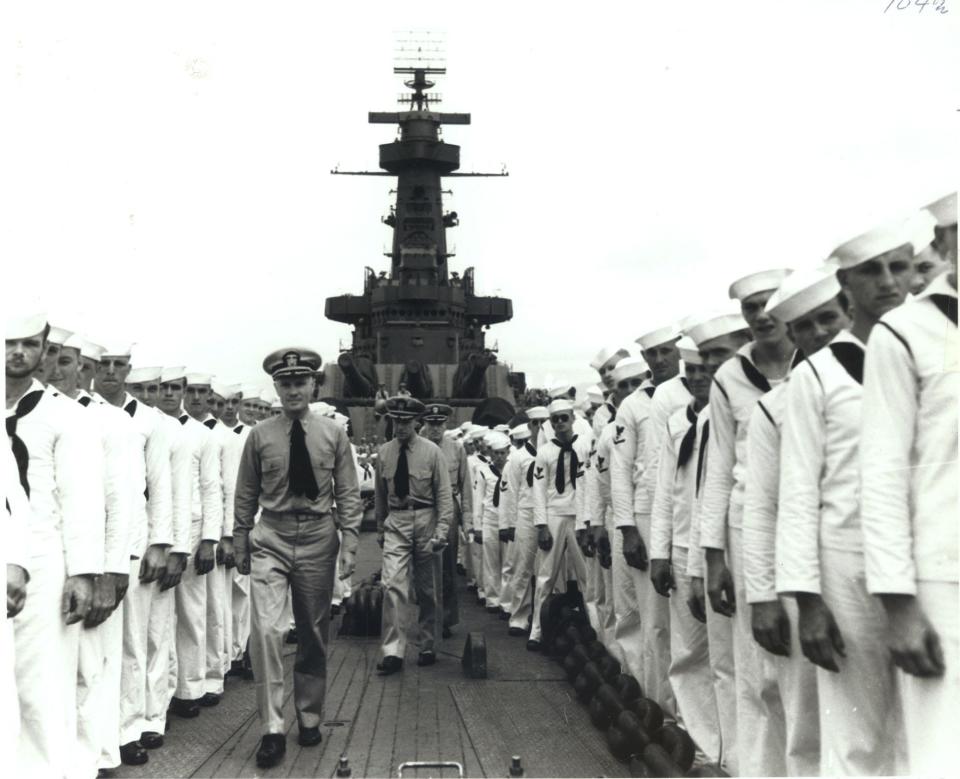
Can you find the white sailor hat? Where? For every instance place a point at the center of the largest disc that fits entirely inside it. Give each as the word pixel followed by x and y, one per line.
pixel 600 358
pixel 465 426
pixel 232 390
pixel 659 336
pixel 217 387
pixel 320 407
pixel 803 291
pixel 535 413
pixel 595 394
pixel 199 378
pixel 143 375
pixel 502 428
pixel 628 368
pixel 520 432
pixel 174 373
pixel 688 350
pixel 275 403
pixel 715 325
pixel 560 405
pixel 559 389
pixel 250 391
pixel 117 349
pixel 922 225
pixel 944 210
pixel 58 335
pixel 341 419
pixel 874 242
pixel 757 282
pixel 496 440
pixel 91 351
pixel 76 341
pixel 477 432
pixel 453 432
pixel 23 324
pixel 267 396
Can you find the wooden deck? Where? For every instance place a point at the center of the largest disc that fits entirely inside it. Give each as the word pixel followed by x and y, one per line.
pixel 525 707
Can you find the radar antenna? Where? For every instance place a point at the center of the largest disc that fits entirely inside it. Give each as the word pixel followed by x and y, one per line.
pixel 420 53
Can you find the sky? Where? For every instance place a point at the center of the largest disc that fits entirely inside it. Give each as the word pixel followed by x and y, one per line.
pixel 167 167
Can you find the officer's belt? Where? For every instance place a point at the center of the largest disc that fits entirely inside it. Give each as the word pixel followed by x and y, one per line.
pixel 293 514
pixel 409 504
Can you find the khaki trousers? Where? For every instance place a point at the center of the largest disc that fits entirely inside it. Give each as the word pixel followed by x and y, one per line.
pixel 448 573
pixel 296 552
pixel 407 551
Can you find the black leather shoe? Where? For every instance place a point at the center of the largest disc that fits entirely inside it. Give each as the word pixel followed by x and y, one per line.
pixel 533 645
pixel 481 601
pixel 516 632
pixel 447 632
pixel 273 746
pixel 334 609
pixel 210 699
pixel 133 754
pixel 390 665
pixel 185 708
pixel 461 571
pixel 426 658
pixel 504 614
pixel 236 668
pixel 291 636
pixel 150 739
pixel 493 609
pixel 309 737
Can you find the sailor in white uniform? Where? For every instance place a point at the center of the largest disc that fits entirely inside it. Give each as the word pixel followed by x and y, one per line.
pixel 810 304
pixel 908 464
pixel 488 495
pixel 843 629
pixel 737 386
pixel 60 462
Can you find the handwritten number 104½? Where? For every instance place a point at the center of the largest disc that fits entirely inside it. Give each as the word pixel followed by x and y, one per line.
pixel 938 6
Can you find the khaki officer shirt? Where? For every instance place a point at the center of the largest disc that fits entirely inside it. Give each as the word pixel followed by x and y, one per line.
pixel 263 478
pixel 429 480
pixel 460 477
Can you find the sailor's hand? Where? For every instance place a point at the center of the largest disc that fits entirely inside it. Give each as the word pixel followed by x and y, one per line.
pixel 16 589
pixel 203 560
pixel 583 541
pixel 771 627
pixel 697 602
pixel 172 573
pixel 348 563
pixel 601 540
pixel 723 600
pixel 153 562
pixel 438 542
pixel 225 553
pixel 544 538
pixel 77 597
pixel 634 550
pixel 243 564
pixel 661 574
pixel 380 536
pixel 103 600
pixel 818 632
pixel 122 582
pixel 914 643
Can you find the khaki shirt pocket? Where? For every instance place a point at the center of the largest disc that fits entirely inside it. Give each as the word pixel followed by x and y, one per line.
pixel 421 483
pixel 323 472
pixel 274 471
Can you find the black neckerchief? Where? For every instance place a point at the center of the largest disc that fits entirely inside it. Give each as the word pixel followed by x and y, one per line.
pixel 496 490
pixel 131 407
pixel 21 454
pixel 703 451
pixel 947 305
pixel 85 400
pixel 850 356
pixel 560 479
pixel 686 445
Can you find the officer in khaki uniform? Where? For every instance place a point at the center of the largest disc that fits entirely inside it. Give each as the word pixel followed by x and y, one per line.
pixel 414 509
pixel 294 467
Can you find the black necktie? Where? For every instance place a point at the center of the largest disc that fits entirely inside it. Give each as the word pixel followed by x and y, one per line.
pixel 401 478
pixel 302 479
pixel 496 490
pixel 131 407
pixel 850 356
pixel 529 447
pixel 686 445
pixel 947 305
pixel 560 478
pixel 703 453
pixel 84 401
pixel 20 452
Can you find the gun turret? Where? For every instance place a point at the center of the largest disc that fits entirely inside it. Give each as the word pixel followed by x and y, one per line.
pixel 418 380
pixel 359 376
pixel 470 378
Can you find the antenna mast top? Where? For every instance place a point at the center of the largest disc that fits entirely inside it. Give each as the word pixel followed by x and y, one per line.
pixel 420 53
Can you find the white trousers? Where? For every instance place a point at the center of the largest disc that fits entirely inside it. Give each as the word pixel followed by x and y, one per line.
pixel 554 566
pixel 191 597
pixel 161 645
pixel 98 696
pixel 690 676
pixel 797 682
pixel 931 707
pixel 476 559
pixel 492 562
pixel 654 632
pixel 506 574
pixel 524 554
pixel 240 613
pixel 861 720
pixel 760 718
pixel 722 668
pixel 45 648
pixel 216 630
pixel 628 646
